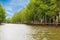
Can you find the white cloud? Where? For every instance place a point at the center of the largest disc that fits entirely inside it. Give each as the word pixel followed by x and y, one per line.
pixel 15 5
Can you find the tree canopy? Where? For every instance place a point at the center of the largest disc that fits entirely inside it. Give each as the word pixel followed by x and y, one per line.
pixel 38 10
pixel 2 13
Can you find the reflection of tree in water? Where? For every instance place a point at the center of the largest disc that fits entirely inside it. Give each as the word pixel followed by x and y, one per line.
pixel 44 36
pixel 39 35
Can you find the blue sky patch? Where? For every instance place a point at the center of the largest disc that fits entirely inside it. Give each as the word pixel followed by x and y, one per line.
pixel 13 6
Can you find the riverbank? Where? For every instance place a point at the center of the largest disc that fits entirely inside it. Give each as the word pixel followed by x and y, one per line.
pixel 44 24
pixel 41 24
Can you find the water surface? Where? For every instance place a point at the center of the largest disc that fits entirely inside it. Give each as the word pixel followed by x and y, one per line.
pixel 26 32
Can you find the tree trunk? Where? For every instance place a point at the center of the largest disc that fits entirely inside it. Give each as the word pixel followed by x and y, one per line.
pixel 50 20
pixel 0 23
pixel 56 20
pixel 53 20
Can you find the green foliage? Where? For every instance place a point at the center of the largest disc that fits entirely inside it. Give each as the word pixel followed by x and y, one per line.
pixel 46 8
pixel 2 14
pixel 20 16
pixel 37 10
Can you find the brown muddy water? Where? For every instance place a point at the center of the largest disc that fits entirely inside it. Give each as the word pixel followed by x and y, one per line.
pixel 26 32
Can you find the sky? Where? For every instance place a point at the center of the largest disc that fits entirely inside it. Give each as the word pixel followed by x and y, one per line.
pixel 12 6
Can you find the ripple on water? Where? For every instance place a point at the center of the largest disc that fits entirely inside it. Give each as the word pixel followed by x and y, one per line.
pixel 25 32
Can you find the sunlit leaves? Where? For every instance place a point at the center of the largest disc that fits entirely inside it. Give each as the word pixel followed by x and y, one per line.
pixel 44 6
pixel 2 13
pixel 37 9
pixel 52 7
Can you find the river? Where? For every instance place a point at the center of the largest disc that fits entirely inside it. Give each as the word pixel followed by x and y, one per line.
pixel 28 32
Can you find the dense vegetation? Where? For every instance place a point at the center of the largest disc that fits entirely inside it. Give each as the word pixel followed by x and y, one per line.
pixel 2 14
pixel 43 11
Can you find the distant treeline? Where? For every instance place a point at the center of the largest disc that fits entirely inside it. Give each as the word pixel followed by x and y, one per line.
pixel 41 11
